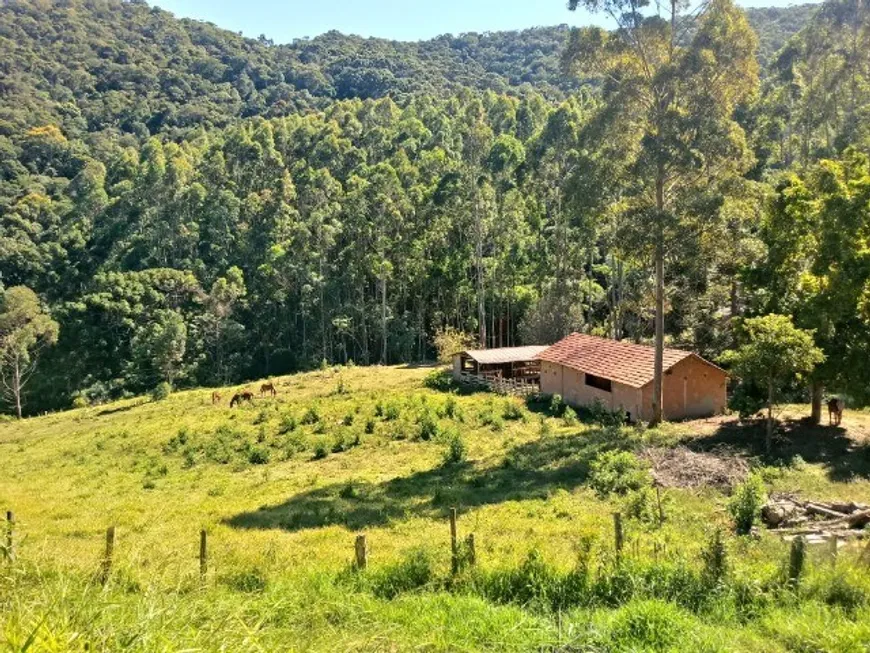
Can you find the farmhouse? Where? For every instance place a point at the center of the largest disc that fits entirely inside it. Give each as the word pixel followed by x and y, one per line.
pixel 619 374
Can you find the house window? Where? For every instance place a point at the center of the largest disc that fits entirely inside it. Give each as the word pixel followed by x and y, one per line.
pixel 598 382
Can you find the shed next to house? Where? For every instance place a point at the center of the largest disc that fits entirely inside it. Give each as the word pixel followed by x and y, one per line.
pixel 620 374
pixel 504 363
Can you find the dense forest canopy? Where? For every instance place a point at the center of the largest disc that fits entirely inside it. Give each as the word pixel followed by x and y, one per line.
pixel 195 207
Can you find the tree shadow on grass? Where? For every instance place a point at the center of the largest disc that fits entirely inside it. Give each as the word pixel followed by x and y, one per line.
pixel 843 457
pixel 530 470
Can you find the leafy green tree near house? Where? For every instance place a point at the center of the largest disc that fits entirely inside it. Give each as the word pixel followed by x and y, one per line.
pixel 25 330
pixel 773 353
pixel 817 267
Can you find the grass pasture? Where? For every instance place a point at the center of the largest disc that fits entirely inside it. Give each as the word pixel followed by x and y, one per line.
pixel 283 485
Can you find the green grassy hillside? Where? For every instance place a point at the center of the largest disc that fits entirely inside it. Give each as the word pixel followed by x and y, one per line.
pixel 283 485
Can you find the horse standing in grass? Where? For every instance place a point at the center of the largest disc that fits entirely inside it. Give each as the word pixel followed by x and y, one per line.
pixel 215 397
pixel 268 387
pixel 239 397
pixel 836 406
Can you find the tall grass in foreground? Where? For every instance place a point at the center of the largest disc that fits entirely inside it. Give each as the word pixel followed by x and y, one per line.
pixel 601 605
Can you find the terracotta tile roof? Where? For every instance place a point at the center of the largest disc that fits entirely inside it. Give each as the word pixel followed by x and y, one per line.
pixel 505 354
pixel 617 360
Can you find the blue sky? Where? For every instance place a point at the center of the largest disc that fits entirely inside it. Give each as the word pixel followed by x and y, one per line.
pixel 284 20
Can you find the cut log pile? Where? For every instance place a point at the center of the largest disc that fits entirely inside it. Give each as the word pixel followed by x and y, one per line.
pixel 816 520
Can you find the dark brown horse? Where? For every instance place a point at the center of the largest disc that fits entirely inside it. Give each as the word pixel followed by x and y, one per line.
pixel 268 387
pixel 239 397
pixel 836 406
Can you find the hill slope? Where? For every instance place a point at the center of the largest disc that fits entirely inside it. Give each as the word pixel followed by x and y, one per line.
pixel 283 485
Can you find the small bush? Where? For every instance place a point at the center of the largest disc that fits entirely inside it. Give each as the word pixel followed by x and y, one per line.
pixel 370 426
pixel 414 572
pixel 311 416
pixel 161 391
pixel 341 388
pixel 339 445
pixel 392 411
pixel 262 417
pixel 348 420
pixel 642 505
pixel 618 472
pixel 457 450
pixel 259 455
pixel 598 413
pixel 545 429
pixel 428 427
pixel 715 557
pixel 348 491
pixel 379 409
pixel 451 408
pixel 439 380
pixel 512 411
pixel 80 401
pixel 569 416
pixel 745 504
pixel 293 444
pixel 557 405
pixel 320 450
pixel 288 424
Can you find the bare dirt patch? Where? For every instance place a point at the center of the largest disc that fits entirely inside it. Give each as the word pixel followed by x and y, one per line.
pixel 682 467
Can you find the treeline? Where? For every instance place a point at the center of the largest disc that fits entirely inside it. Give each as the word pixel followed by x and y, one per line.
pixel 210 242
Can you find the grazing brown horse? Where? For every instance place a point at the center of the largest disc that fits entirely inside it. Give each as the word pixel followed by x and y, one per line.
pixel 268 387
pixel 836 406
pixel 215 397
pixel 239 397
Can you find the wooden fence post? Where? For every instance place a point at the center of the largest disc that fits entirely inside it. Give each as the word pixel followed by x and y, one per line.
pixel 472 551
pixel 10 536
pixel 203 554
pixel 454 548
pixel 107 558
pixel 617 534
pixel 796 559
pixel 362 551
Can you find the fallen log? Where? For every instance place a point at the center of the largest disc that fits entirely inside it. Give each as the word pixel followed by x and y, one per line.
pixel 816 509
pixel 847 508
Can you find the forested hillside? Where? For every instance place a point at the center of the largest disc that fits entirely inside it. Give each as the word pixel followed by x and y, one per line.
pixel 90 66
pixel 194 207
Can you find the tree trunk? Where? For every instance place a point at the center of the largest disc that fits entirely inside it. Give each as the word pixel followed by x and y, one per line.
pixel 16 387
pixel 816 391
pixel 768 437
pixel 384 321
pixel 658 367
